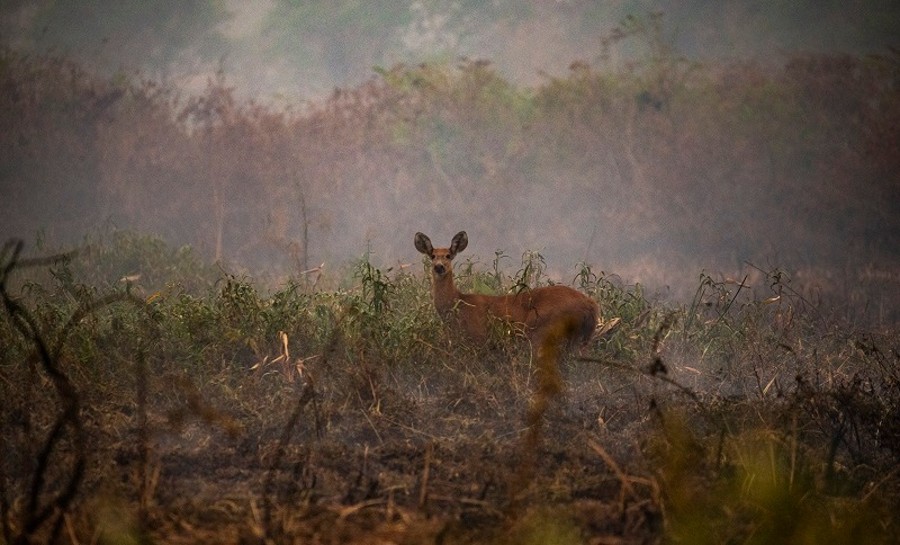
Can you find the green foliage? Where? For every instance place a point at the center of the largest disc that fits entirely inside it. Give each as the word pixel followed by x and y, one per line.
pixel 766 486
pixel 135 259
pixel 472 121
pixel 756 421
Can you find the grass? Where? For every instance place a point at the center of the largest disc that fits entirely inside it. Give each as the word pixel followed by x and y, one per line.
pixel 204 406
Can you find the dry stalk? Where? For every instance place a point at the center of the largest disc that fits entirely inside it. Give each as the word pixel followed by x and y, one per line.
pixel 426 470
pixel 268 485
pixel 307 396
pixel 624 480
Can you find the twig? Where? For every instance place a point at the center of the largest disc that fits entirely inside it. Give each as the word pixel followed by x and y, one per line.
pixel 423 490
pixel 344 512
pixel 35 515
pixel 621 366
pixel 611 463
pixel 372 425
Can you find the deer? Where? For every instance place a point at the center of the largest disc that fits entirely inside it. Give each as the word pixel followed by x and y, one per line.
pixel 554 318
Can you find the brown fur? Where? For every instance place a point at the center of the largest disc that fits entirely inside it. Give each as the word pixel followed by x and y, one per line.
pixel 551 314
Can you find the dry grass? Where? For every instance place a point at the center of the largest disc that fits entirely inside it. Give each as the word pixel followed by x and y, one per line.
pixel 350 416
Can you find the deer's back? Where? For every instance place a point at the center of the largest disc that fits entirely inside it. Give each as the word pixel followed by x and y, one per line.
pixel 538 309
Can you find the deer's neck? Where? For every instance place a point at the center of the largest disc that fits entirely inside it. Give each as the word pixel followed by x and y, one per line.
pixel 445 293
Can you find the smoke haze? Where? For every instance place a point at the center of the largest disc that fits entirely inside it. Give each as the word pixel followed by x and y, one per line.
pixel 277 50
pixel 650 140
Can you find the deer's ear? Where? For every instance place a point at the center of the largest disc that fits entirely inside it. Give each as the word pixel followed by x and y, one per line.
pixel 423 244
pixel 459 243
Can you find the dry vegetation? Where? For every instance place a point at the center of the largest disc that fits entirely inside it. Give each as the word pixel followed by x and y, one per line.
pixel 149 396
pixel 154 412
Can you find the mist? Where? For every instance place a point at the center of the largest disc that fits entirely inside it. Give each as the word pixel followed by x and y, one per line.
pixel 279 51
pixel 653 141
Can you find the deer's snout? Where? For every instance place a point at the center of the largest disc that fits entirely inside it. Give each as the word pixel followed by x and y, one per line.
pixel 439 268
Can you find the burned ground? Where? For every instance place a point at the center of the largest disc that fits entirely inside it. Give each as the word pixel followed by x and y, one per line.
pixel 348 415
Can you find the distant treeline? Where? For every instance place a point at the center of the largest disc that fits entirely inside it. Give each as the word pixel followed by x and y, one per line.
pixel 666 166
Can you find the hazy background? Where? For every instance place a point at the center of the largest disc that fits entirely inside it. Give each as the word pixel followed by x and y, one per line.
pixel 651 140
pixel 283 50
